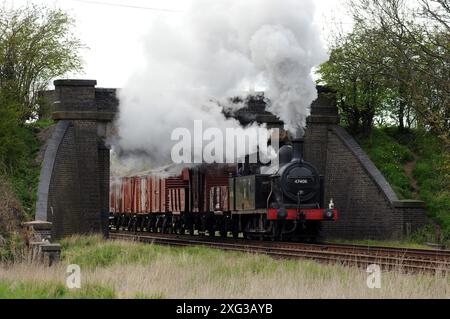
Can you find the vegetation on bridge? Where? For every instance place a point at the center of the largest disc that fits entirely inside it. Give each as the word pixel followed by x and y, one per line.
pixel 414 163
pixel 36 45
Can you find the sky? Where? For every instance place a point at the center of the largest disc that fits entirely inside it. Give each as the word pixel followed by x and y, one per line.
pixel 114 34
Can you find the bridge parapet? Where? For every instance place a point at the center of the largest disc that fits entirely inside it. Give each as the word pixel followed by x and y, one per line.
pixel 74 182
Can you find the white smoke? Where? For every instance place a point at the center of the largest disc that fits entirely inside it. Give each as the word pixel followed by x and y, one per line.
pixel 220 49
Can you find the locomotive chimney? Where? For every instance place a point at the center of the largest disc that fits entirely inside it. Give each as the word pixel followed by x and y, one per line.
pixel 297 149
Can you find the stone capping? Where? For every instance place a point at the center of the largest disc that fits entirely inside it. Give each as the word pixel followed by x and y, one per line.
pixel 38 225
pixel 366 163
pixel 106 90
pixel 72 82
pixel 83 115
pixel 323 119
pixel 47 168
pixel 408 203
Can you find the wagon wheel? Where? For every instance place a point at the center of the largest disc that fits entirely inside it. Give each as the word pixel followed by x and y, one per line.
pixel 130 224
pixel 177 226
pixel 182 229
pixel 116 222
pixel 273 231
pixel 224 231
pixel 146 225
pixel 235 230
pixel 152 224
pixel 133 224
pixel 142 223
pixel 164 226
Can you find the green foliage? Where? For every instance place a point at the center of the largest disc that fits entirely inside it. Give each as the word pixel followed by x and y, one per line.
pixel 390 148
pixel 393 65
pixel 24 174
pixel 36 45
pixel 389 157
pixel 53 290
pixel 431 173
pixel 95 252
pixel 362 90
pixel 12 147
pixel 43 123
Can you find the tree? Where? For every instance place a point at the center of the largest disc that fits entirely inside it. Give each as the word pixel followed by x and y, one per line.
pixel 362 90
pixel 417 41
pixel 11 146
pixel 408 45
pixel 36 46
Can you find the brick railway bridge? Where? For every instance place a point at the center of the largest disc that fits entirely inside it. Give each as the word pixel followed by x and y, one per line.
pixel 73 189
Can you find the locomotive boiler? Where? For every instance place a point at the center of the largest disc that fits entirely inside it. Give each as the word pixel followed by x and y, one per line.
pixel 254 201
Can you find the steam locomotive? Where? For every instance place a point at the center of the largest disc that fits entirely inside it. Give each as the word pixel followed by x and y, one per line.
pixel 284 202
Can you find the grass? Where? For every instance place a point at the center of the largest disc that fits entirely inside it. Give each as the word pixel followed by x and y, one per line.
pixel 43 123
pixel 51 290
pixel 408 243
pixel 134 270
pixel 390 149
pixel 390 157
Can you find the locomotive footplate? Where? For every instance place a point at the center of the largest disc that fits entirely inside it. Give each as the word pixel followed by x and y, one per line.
pixel 304 214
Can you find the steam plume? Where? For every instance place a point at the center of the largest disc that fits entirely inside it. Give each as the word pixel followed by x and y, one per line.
pixel 220 49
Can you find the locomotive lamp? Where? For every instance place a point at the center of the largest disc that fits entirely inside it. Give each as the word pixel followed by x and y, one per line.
pixel 282 213
pixel 331 204
pixel 328 214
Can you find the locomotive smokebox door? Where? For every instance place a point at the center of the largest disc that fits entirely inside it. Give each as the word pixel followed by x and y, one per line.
pixel 251 192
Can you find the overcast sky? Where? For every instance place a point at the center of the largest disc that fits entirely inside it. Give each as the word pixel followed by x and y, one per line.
pixel 114 33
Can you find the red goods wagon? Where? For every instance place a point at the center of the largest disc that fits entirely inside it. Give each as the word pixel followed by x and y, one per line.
pixel 136 195
pixel 177 190
pixel 216 187
pixel 139 195
pixel 143 195
pixel 158 194
pixel 115 198
pixel 196 185
pixel 127 195
pixel 148 190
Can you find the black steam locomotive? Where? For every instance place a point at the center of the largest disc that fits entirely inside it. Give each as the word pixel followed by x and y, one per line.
pixel 289 198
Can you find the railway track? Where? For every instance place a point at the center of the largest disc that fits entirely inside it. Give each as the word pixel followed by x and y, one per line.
pixel 402 259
